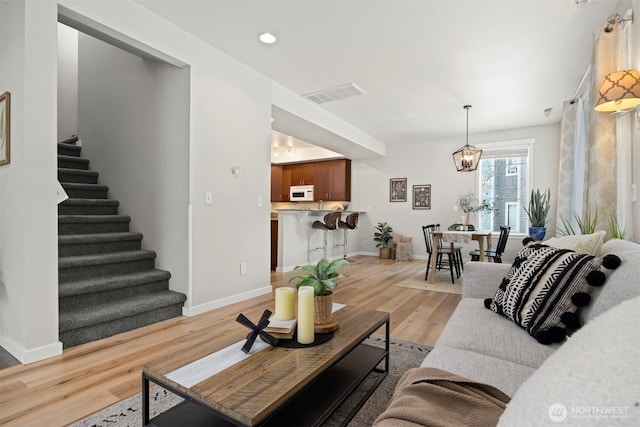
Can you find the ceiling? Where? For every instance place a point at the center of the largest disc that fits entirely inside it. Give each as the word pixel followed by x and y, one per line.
pixel 419 62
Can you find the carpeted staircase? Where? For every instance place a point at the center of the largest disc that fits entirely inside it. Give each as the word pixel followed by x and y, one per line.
pixel 107 283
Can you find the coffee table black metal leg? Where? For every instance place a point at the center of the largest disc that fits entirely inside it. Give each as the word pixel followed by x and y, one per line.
pixel 145 400
pixel 387 336
pixel 386 348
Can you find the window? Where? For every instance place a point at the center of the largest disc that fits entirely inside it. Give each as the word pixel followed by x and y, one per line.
pixel 503 178
pixel 513 216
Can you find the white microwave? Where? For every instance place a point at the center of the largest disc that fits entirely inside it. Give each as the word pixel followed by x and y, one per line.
pixel 301 193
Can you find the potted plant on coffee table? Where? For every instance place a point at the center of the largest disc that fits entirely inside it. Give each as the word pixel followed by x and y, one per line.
pixel 539 205
pixel 383 236
pixel 322 277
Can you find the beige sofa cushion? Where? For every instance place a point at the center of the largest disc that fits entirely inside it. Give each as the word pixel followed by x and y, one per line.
pixel 474 328
pixel 622 283
pixel 597 369
pixel 505 376
pixel 582 243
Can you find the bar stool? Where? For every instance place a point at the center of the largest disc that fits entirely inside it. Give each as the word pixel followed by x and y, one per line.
pixel 351 223
pixel 330 223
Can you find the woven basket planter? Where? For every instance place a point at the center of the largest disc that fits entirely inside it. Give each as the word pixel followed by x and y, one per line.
pixel 322 308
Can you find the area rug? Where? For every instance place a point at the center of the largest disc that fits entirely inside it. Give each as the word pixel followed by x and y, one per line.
pixel 443 283
pixel 403 355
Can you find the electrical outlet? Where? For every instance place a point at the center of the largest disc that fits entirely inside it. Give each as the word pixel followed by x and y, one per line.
pixel 243 268
pixel 208 198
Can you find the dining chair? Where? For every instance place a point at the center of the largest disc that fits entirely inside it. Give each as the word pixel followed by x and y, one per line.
pixel 495 254
pixel 453 254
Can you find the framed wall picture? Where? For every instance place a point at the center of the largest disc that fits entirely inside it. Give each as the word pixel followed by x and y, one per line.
pixel 5 128
pixel 422 196
pixel 398 190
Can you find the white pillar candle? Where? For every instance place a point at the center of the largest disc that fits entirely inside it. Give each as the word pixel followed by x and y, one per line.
pixel 285 303
pixel 305 315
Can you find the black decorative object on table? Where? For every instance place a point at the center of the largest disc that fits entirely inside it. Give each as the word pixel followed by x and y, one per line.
pixel 256 330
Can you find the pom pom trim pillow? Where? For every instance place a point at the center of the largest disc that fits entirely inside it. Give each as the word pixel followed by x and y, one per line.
pixel 544 288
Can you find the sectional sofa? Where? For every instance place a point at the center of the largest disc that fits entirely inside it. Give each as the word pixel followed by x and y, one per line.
pixel 594 370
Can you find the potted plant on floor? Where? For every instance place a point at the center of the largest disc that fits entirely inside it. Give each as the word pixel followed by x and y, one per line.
pixel 383 237
pixel 539 205
pixel 322 277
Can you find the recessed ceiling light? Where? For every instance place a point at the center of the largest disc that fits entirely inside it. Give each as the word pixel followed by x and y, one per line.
pixel 267 38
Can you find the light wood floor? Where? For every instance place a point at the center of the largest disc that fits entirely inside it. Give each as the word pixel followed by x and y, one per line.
pixel 93 376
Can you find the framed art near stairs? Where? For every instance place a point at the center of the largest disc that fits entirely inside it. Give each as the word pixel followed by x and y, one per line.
pixel 5 129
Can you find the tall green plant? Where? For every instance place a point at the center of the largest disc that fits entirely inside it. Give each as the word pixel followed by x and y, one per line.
pixel 617 230
pixel 539 205
pixel 321 276
pixel 586 225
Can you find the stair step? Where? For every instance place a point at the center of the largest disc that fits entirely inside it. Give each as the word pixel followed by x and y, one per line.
pixel 82 266
pixel 103 284
pixel 68 149
pixel 94 322
pixel 85 191
pixel 88 224
pixel 74 206
pixel 72 162
pixel 77 175
pixel 100 290
pixel 72 140
pixel 98 243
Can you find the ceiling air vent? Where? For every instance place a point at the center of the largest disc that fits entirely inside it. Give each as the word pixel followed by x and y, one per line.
pixel 335 93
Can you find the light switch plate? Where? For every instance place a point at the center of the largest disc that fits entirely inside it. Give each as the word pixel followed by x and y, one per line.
pixel 208 198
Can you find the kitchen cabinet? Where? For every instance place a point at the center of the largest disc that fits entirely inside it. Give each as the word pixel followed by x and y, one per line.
pixel 277 188
pixel 333 180
pixel 301 173
pixel 277 185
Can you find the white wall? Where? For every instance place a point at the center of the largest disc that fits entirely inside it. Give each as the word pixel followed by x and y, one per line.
pixel 134 127
pixel 67 82
pixel 28 210
pixel 430 162
pixel 230 112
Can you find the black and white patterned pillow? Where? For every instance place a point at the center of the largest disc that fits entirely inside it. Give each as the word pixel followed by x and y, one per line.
pixel 545 286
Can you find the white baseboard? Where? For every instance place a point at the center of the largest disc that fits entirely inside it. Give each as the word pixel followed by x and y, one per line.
pixel 212 305
pixel 26 356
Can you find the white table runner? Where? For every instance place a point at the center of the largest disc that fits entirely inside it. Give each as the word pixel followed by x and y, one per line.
pixel 456 236
pixel 201 369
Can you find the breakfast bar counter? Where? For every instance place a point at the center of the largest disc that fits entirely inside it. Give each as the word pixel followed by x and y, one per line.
pixel 300 244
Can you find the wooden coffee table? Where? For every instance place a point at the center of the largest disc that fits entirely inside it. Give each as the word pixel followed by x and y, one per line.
pixel 277 386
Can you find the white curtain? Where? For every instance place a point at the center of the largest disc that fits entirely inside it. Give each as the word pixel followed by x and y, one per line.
pixel 624 147
pixel 595 148
pixel 573 156
pixel 601 171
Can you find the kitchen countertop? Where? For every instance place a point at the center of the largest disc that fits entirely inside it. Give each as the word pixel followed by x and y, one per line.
pixel 318 211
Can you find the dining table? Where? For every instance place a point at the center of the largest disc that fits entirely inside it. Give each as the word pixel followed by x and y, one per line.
pixel 453 237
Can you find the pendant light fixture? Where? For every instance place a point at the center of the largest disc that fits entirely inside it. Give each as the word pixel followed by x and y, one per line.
pixel 467 158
